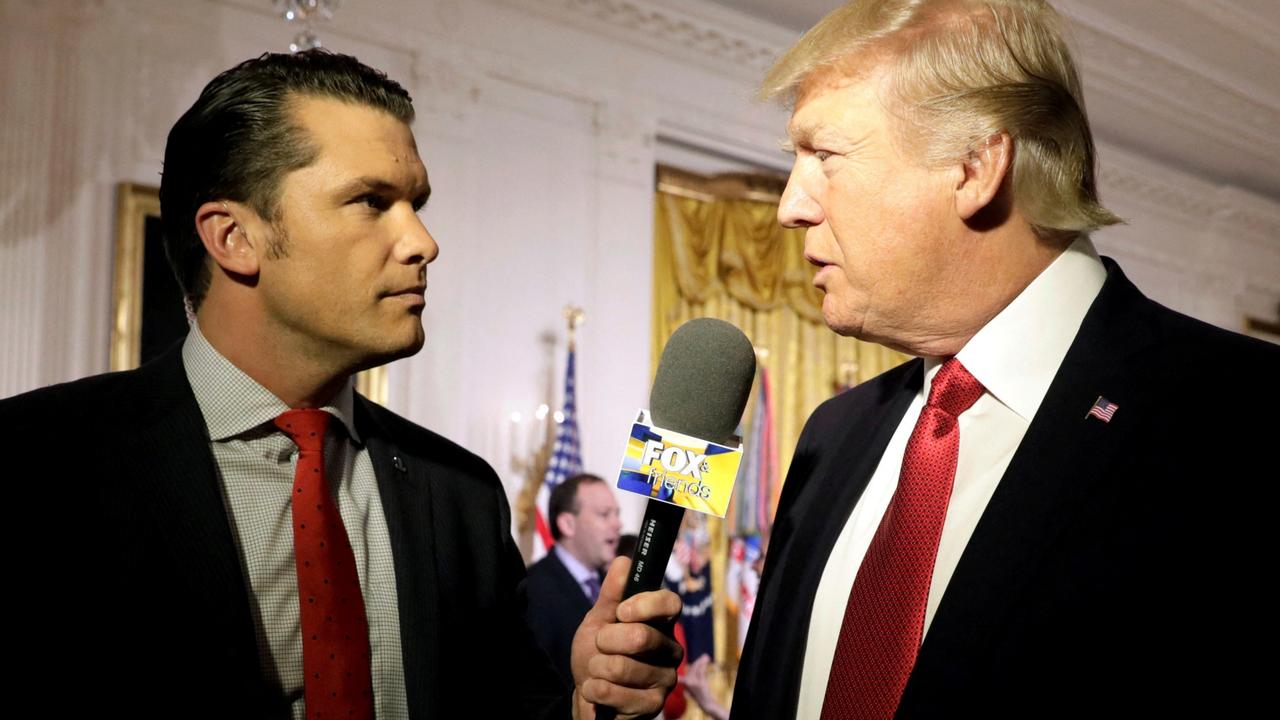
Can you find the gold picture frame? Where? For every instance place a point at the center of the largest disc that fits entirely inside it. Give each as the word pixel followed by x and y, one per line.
pixel 135 205
pixel 1263 329
pixel 372 383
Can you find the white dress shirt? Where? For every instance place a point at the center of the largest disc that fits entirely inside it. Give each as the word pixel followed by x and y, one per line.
pixel 1015 356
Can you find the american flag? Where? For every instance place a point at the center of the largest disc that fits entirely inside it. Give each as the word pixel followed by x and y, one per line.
pixel 566 460
pixel 1102 409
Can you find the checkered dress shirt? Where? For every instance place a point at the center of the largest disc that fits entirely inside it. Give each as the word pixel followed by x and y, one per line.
pixel 255 464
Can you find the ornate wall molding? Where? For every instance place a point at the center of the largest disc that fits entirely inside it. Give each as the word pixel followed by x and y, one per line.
pixel 1116 66
pixel 711 33
pixel 1159 89
pixel 1138 179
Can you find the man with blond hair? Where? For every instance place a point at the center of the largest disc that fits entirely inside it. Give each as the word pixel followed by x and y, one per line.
pixel 1053 511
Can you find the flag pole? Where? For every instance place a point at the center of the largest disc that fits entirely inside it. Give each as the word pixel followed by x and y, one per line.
pixel 534 468
pixel 574 316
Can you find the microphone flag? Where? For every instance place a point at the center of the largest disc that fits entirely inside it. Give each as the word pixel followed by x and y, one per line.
pixel 679 469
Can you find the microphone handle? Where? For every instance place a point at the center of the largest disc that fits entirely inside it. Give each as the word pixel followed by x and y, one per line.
pixel 658 532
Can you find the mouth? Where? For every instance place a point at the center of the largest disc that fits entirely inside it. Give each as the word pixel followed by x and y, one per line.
pixel 414 295
pixel 815 260
pixel 819 263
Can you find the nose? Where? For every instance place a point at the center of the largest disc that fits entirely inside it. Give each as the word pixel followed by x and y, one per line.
pixel 797 208
pixel 415 245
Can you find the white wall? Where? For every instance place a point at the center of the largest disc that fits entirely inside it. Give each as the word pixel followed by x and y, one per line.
pixel 539 122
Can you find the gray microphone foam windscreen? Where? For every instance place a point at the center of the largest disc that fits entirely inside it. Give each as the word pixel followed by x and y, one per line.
pixel 703 380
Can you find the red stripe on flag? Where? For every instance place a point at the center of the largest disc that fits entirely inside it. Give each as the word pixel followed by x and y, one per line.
pixel 544 531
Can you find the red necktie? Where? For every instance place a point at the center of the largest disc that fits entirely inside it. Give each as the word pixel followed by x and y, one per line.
pixel 884 620
pixel 335 633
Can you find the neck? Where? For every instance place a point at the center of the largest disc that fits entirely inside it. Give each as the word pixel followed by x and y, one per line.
pixel 300 379
pixel 571 552
pixel 996 267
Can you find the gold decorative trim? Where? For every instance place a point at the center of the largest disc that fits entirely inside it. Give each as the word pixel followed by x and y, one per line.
pixel 134 203
pixel 372 383
pixel 1268 330
pixel 758 187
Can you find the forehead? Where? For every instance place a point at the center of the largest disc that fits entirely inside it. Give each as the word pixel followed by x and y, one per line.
pixel 596 494
pixel 355 140
pixel 838 96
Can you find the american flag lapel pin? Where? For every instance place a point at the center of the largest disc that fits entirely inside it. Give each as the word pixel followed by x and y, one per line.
pixel 1103 409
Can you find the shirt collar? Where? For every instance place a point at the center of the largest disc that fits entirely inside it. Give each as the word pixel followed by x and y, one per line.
pixel 580 572
pixel 1017 354
pixel 232 402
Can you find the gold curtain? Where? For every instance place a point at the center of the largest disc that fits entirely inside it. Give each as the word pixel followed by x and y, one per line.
pixel 719 252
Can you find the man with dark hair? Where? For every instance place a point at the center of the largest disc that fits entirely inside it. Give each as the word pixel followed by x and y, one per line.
pixel 238 533
pixel 241 138
pixel 562 586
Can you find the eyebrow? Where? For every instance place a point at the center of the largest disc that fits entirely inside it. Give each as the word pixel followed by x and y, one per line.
pixel 373 184
pixel 810 133
pixel 816 134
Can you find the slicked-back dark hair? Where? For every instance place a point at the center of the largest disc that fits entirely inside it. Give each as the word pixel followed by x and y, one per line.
pixel 239 140
pixel 564 499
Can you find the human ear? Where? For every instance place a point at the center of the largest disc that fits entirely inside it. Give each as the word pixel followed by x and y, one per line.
pixel 225 238
pixel 567 523
pixel 984 172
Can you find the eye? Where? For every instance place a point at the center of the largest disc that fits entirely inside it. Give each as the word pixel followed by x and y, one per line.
pixel 374 201
pixel 822 154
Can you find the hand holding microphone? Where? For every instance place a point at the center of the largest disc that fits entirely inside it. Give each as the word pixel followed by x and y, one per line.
pixel 699 391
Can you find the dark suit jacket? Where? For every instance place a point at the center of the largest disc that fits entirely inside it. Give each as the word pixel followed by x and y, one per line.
pixel 556 607
pixel 134 598
pixel 1116 569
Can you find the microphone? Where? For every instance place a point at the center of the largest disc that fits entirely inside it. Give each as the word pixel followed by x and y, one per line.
pixel 700 389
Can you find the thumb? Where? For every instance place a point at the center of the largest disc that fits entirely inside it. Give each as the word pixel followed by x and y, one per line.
pixel 615 582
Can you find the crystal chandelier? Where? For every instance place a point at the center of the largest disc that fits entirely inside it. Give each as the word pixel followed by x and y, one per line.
pixel 304 14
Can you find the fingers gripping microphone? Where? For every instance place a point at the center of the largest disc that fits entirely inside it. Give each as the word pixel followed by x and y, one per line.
pixel 700 389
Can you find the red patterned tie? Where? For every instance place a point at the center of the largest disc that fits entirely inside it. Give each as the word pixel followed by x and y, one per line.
pixel 884 620
pixel 335 633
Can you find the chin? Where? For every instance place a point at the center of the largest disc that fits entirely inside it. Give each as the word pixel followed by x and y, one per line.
pixel 406 342
pixel 413 345
pixel 842 323
pixel 388 352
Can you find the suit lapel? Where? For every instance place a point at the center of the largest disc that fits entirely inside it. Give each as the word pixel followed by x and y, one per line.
pixel 174 492
pixel 1055 468
pixel 405 491
pixel 569 587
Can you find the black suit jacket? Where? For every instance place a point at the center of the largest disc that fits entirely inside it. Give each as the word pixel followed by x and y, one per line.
pixel 133 595
pixel 1116 569
pixel 556 607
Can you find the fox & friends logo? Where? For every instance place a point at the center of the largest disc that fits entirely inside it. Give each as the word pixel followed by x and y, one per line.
pixel 682 470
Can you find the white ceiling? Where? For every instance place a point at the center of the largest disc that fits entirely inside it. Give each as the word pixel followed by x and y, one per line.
pixel 1192 83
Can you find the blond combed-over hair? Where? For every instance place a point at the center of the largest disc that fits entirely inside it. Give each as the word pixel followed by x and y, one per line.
pixel 960 72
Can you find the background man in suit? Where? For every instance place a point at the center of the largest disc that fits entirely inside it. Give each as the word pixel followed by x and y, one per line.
pixel 1033 518
pixel 563 585
pixel 239 534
